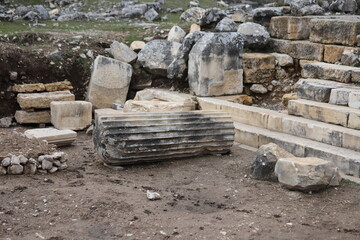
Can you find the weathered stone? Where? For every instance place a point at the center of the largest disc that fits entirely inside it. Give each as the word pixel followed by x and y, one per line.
pixel 329 71
pixel 2 169
pixel 347 6
pixel 6 162
pixel 134 11
pixel 29 88
pixel 214 65
pixel 24 117
pixel 239 16
pixel 290 27
pixel 354 120
pixel 335 31
pixel 176 34
pixel 151 15
pixel 137 45
pixel 304 50
pixel 307 174
pixel 315 91
pixel 52 135
pixel 122 52
pixel 311 10
pixel 263 165
pixel 109 83
pixel 77 16
pixel 43 100
pixel 194 27
pixel 258 88
pixel 42 12
pixel 258 67
pixel 264 15
pixel 157 55
pixel 226 25
pixel 131 137
pixel 278 45
pixel 305 7
pixel 15 169
pixel 351 58
pixel 255 35
pixel 333 53
pixel 154 106
pixel 5 122
pixel 73 115
pixel 58 86
pixel 283 60
pixel 340 96
pixel 30 167
pixel 354 99
pixel 287 97
pixel 23 160
pixel 46 165
pixel 193 15
pixel 212 15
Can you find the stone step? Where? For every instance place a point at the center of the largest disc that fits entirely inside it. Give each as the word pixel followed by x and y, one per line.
pixel 281 122
pixel 348 161
pixel 146 137
pixel 328 71
pixel 325 112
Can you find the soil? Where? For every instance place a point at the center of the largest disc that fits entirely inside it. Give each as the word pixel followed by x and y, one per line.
pixel 207 197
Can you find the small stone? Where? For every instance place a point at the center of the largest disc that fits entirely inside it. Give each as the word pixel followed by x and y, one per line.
pixel 258 88
pixel 15 160
pixel 2 170
pixel 30 167
pixel 15 169
pixel 54 169
pixel 63 166
pixel 5 122
pixel 57 163
pixel 6 162
pixel 46 165
pixel 152 195
pixel 137 45
pixel 23 160
pixel 194 27
pixel 151 15
pixel 13 76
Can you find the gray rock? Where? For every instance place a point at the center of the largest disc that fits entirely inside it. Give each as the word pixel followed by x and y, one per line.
pixel 6 17
pixel 258 88
pixel 176 34
pixel 15 169
pixel 263 15
pixel 215 65
pixel 283 60
pixel 178 66
pixel 42 12
pixel 22 10
pixel 193 15
pixel 134 11
pixel 23 159
pixel 151 15
pixel 255 35
pixel 53 169
pixel 6 162
pixel 63 166
pixel 347 6
pixel 5 122
pixel 351 58
pixel 122 52
pixel 264 164
pixel 311 10
pixel 212 15
pixel 31 16
pixel 55 56
pixel 3 170
pixel 307 174
pixel 157 55
pixel 13 76
pixel 30 167
pixel 226 25
pixel 15 160
pixel 46 165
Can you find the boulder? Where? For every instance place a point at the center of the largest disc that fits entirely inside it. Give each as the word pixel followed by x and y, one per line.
pixel 258 88
pixel 306 174
pixel 305 7
pixel 157 55
pixel 176 34
pixel 151 15
pixel 109 83
pixel 122 52
pixel 42 12
pixel 212 15
pixel 255 35
pixel 73 115
pixel 226 25
pixel 347 6
pixel 193 15
pixel 311 10
pixel 215 65
pixel 264 163
pixel 31 16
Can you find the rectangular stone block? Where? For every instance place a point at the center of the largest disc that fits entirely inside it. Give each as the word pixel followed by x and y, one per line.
pixel 258 67
pixel 340 96
pixel 351 139
pixel 319 111
pixel 354 100
pixel 52 135
pixel 29 88
pixel 24 117
pixel 58 86
pixel 278 45
pixel 109 83
pixel 335 31
pixel 72 115
pixel 315 91
pixel 43 100
pixel 245 137
pixel 290 27
pixel 305 50
pixel 354 120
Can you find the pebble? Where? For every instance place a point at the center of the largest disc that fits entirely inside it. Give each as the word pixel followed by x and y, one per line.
pixel 23 160
pixel 15 169
pixel 153 195
pixel 54 169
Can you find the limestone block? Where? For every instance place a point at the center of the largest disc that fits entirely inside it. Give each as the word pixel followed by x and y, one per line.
pixel 73 115
pixel 109 83
pixel 354 120
pixel 290 27
pixel 43 100
pixel 319 111
pixel 58 86
pixel 335 31
pixel 122 52
pixel 278 45
pixel 52 135
pixel 340 96
pixel 24 117
pixel 305 50
pixel 246 138
pixel 354 99
pixel 29 88
pixel 258 67
pixel 307 174
pixel 215 65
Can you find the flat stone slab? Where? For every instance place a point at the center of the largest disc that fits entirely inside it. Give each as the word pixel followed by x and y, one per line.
pixel 340 96
pixel 72 115
pixel 29 88
pixel 52 135
pixel 24 117
pixel 58 86
pixel 43 100
pixel 315 91
pixel 155 106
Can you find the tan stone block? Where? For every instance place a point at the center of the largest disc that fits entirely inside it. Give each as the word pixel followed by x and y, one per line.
pixel 258 67
pixel 194 27
pixel 329 71
pixel 29 88
pixel 290 27
pixel 24 117
pixel 43 100
pixel 354 120
pixel 72 115
pixel 305 50
pixel 52 135
pixel 58 86
pixel 333 53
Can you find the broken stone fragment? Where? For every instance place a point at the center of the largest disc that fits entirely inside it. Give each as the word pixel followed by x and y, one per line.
pixel 307 174
pixel 122 52
pixel 29 88
pixel 176 34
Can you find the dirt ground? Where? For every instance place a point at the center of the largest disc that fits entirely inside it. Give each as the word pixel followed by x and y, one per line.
pixel 207 197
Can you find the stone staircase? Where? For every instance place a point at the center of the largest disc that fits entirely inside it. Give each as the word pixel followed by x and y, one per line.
pixel 325 121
